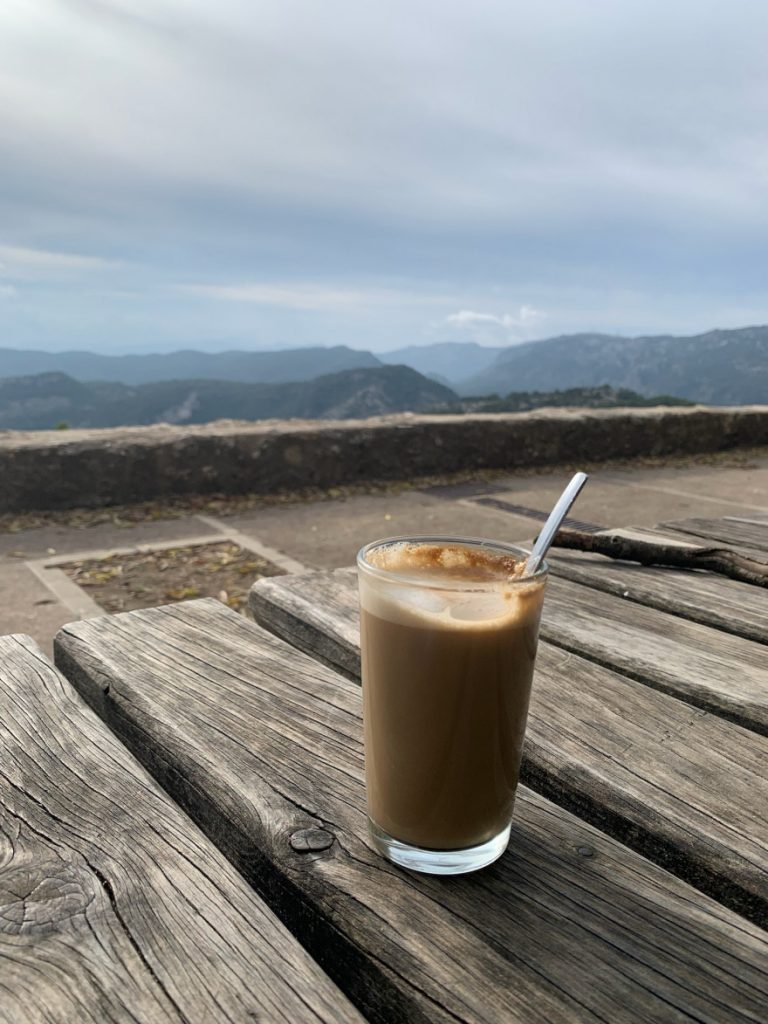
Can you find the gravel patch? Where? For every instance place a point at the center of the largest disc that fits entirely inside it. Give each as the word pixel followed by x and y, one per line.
pixel 121 583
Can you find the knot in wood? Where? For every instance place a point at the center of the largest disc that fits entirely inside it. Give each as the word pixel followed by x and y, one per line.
pixel 37 899
pixel 585 851
pixel 310 840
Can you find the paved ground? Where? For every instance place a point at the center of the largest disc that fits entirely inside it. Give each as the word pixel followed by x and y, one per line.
pixel 37 599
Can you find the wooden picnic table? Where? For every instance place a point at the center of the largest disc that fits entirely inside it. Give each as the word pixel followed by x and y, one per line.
pixel 635 887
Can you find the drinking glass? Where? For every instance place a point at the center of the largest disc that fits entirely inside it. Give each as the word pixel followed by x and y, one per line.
pixel 447 664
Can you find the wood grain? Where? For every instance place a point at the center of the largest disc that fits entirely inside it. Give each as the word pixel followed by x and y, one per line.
pixel 698 596
pixel 683 787
pixel 720 671
pixel 711 669
pixel 742 532
pixel 113 905
pixel 259 741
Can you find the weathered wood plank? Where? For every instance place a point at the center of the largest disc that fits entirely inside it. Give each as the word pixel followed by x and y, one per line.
pixel 710 669
pixel 113 905
pixel 722 673
pixel 317 612
pixel 702 597
pixel 699 596
pixel 260 742
pixel 747 531
pixel 676 783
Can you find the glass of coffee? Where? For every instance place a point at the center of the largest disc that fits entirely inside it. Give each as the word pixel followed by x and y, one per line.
pixel 449 629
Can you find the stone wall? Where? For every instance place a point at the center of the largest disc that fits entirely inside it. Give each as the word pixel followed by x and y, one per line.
pixel 66 469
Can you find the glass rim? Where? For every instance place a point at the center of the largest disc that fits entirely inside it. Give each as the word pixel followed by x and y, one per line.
pixel 503 547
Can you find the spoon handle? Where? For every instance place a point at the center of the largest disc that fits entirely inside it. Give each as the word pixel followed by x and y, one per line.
pixel 553 524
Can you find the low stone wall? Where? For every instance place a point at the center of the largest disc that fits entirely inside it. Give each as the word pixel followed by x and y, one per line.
pixel 65 469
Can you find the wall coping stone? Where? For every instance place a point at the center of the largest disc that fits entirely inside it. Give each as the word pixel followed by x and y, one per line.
pixel 56 469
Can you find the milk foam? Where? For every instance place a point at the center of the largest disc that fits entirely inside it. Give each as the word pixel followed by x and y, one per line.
pixel 444 563
pixel 449 586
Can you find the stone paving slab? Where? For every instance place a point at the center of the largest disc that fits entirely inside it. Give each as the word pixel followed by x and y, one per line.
pixel 717 474
pixel 327 535
pixel 65 540
pixel 745 485
pixel 746 488
pixel 28 606
pixel 614 503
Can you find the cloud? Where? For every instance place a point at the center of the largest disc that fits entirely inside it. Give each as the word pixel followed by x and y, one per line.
pixel 428 148
pixel 505 327
pixel 16 258
pixel 441 125
pixel 308 296
pixel 126 16
pixel 525 316
pixel 290 296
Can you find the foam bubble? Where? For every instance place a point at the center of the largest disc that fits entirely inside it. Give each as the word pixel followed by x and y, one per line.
pixel 418 599
pixel 445 561
pixel 479 607
pixel 438 608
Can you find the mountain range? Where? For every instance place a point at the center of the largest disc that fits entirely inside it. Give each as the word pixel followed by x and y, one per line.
pixel 247 367
pixel 48 400
pixel 721 367
pixel 717 368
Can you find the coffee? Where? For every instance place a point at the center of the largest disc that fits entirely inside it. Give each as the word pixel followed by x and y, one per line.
pixel 449 633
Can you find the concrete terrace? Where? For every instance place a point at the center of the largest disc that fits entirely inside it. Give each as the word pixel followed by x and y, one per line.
pixel 326 532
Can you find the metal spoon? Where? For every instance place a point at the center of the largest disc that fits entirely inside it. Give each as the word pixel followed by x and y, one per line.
pixel 553 524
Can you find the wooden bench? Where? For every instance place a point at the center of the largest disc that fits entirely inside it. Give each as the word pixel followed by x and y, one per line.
pixel 113 905
pixel 261 744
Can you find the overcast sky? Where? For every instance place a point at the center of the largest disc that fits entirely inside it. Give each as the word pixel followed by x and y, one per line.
pixel 379 172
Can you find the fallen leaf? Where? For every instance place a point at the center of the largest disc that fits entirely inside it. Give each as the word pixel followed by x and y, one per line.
pixel 97 576
pixel 182 593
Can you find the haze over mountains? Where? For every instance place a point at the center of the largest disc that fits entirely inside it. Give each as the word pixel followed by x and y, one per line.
pixel 451 362
pixel 262 367
pixel 39 389
pixel 46 400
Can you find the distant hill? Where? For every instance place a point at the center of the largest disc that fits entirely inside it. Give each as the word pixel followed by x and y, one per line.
pixel 241 366
pixel 717 368
pixel 604 397
pixel 447 361
pixel 47 400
